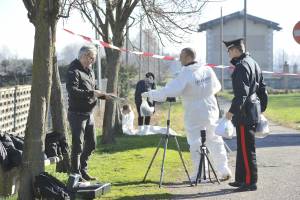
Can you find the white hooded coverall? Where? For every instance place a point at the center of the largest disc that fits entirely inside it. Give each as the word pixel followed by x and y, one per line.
pixel 197 85
pixel 127 123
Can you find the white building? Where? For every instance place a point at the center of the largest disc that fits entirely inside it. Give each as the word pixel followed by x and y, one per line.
pixel 259 38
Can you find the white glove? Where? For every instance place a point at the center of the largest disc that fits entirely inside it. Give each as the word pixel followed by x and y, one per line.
pixel 145 95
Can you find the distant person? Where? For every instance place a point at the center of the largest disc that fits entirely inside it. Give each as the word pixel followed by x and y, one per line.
pixel 83 95
pixel 250 99
pixel 127 120
pixel 144 85
pixel 197 85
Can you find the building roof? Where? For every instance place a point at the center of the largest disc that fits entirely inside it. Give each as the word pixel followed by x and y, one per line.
pixel 238 15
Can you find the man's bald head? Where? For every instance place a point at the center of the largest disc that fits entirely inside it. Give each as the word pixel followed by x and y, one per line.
pixel 187 56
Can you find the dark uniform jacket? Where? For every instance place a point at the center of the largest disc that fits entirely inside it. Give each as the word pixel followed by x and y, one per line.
pixel 141 87
pixel 80 86
pixel 250 94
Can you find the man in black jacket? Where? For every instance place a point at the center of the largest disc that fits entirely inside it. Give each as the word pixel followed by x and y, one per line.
pixel 250 99
pixel 142 86
pixel 83 97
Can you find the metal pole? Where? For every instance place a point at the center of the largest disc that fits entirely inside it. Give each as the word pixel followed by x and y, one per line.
pixel 221 50
pixel 141 34
pixel 127 41
pixel 245 23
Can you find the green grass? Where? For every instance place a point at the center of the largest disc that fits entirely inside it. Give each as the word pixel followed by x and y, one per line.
pixel 124 165
pixel 226 94
pixel 285 109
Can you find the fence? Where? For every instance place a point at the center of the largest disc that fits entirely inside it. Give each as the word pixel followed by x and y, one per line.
pixel 14 106
pixel 15 103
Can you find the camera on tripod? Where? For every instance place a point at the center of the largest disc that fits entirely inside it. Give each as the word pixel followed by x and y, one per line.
pixel 171 99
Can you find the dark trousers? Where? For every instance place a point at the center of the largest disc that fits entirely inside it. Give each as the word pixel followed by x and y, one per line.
pixel 142 120
pixel 83 139
pixel 246 166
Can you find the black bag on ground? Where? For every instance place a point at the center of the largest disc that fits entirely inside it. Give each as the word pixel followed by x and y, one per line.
pixel 18 141
pixel 49 187
pixel 14 156
pixel 55 144
pixel 3 157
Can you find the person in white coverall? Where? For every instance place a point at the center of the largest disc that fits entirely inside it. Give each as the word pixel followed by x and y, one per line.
pixel 197 85
pixel 127 120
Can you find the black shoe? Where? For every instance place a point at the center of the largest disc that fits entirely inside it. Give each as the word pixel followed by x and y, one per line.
pixel 245 187
pixel 86 176
pixel 235 184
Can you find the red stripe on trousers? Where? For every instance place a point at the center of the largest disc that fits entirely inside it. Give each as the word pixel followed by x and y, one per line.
pixel 245 155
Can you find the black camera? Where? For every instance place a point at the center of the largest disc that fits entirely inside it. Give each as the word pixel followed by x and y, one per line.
pixel 171 99
pixel 203 136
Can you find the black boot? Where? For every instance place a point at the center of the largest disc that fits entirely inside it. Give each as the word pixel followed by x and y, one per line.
pixel 244 187
pixel 235 184
pixel 86 176
pixel 75 164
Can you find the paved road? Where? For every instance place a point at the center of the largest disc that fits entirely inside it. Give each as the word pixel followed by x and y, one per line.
pixel 278 158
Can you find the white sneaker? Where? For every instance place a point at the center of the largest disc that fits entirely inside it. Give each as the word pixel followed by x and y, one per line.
pixel 225 177
pixel 140 130
pixel 146 129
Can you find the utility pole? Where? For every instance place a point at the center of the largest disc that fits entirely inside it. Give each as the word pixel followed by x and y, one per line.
pixel 155 60
pixel 245 23
pixel 98 60
pixel 148 49
pixel 221 50
pixel 159 61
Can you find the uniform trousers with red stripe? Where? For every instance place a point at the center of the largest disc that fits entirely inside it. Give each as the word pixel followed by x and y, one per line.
pixel 246 166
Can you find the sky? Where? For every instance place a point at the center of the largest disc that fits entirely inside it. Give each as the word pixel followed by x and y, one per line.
pixel 17 33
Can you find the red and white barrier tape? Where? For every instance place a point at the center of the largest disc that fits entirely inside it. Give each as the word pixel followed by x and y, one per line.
pixel 148 54
pixel 265 72
pixel 107 45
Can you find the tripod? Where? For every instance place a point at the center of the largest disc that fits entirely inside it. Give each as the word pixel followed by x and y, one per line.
pixel 203 157
pixel 164 139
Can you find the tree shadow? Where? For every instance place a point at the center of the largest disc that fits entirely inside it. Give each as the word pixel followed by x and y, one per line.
pixel 222 192
pixel 125 143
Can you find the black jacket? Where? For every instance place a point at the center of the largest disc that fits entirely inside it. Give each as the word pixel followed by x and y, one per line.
pixel 141 87
pixel 80 86
pixel 250 94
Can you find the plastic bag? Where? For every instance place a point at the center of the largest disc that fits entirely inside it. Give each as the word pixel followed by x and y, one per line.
pixel 225 128
pixel 145 109
pixel 262 129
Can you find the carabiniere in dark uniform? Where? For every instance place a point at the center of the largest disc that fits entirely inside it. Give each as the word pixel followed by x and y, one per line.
pixel 250 99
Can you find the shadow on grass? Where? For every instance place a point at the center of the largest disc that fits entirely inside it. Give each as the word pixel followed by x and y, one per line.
pixel 125 143
pixel 203 194
pixel 180 196
pixel 146 197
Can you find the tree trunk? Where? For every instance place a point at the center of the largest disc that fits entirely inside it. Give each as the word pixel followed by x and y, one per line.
pixel 111 122
pixel 33 156
pixel 58 114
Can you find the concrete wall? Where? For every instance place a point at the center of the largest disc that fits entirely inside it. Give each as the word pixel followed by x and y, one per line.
pixel 259 42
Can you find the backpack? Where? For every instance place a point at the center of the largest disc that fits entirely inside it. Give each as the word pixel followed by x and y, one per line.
pixel 49 187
